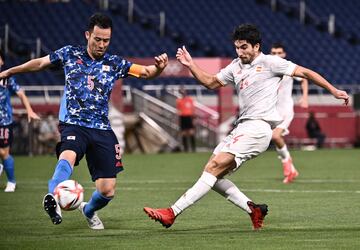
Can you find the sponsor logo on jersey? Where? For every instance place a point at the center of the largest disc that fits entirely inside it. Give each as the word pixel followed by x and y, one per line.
pixel 71 138
pixel 106 68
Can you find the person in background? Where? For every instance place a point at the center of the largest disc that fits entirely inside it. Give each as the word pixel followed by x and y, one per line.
pixel 9 86
pixel 313 130
pixel 285 107
pixel 48 134
pixel 185 108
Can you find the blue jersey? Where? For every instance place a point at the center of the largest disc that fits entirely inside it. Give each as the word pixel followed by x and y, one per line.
pixel 88 85
pixel 8 87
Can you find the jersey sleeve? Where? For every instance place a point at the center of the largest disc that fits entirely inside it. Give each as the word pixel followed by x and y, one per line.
pixel 282 66
pixel 58 57
pixel 12 85
pixel 122 67
pixel 299 79
pixel 226 75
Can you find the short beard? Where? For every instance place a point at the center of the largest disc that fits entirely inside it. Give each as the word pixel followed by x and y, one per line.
pixel 97 55
pixel 246 61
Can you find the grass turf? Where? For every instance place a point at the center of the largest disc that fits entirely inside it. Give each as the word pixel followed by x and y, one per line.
pixel 321 209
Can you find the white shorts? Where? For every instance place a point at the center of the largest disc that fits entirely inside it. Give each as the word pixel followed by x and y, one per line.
pixel 247 140
pixel 287 119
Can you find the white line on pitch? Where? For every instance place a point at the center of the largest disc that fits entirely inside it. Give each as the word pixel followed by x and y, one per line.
pixel 238 181
pixel 251 190
pixel 88 186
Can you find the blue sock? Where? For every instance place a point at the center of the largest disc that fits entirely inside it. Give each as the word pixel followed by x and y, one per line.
pixel 9 168
pixel 62 172
pixel 97 201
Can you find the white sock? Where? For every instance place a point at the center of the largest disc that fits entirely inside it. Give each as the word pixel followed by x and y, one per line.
pixel 283 152
pixel 195 193
pixel 228 189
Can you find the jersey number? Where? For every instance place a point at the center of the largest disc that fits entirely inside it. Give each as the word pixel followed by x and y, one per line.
pixel 90 82
pixel 4 133
pixel 118 152
pixel 236 138
pixel 244 84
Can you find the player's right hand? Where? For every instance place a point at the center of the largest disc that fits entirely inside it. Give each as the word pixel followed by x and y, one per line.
pixel 340 94
pixel 183 56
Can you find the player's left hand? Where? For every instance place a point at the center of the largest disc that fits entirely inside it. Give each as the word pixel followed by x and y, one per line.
pixel 161 61
pixel 340 94
pixel 32 116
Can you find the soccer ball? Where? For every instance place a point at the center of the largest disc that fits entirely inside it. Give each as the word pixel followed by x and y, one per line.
pixel 69 194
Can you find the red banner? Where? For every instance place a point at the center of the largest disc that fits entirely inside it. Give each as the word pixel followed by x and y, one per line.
pixel 176 69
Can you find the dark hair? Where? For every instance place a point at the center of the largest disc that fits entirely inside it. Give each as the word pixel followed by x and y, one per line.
pixel 100 20
pixel 247 32
pixel 278 45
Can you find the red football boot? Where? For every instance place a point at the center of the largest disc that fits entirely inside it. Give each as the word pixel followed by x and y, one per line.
pixel 165 216
pixel 258 213
pixel 287 165
pixel 293 174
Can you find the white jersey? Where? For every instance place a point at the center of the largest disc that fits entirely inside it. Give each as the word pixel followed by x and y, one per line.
pixel 257 85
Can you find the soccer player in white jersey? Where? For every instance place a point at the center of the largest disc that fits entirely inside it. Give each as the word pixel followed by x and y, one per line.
pixel 256 78
pixel 285 107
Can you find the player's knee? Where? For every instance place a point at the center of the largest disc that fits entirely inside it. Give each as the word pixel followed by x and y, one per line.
pixel 3 153
pixel 108 192
pixel 215 168
pixel 276 137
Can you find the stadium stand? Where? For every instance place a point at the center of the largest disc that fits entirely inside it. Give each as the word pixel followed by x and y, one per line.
pixel 204 26
pixel 209 23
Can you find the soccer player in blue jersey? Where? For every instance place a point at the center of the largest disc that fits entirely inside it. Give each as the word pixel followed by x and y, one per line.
pixel 9 86
pixel 90 74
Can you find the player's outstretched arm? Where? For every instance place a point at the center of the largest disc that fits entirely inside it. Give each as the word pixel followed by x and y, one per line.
pixel 206 79
pixel 322 82
pixel 152 71
pixel 30 66
pixel 25 101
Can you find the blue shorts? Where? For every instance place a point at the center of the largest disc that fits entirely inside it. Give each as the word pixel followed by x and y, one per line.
pixel 101 148
pixel 6 136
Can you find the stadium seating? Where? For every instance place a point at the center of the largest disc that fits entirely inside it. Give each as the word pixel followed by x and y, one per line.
pixel 345 19
pixel 203 25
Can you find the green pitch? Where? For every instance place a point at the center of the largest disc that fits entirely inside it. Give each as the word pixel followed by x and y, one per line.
pixel 320 210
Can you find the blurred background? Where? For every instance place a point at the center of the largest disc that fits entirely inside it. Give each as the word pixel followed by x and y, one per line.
pixel 321 35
